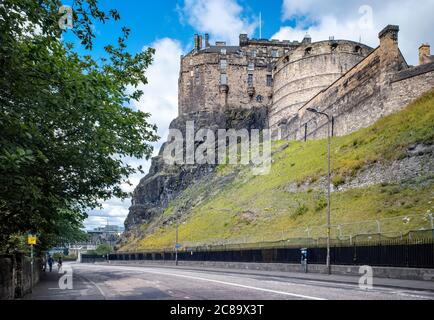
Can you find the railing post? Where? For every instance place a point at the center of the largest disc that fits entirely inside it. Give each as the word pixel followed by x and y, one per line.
pixel 378 226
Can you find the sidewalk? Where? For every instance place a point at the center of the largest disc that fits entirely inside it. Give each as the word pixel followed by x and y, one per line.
pixel 48 288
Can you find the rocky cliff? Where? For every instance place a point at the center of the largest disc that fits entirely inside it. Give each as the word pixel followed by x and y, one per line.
pixel 165 182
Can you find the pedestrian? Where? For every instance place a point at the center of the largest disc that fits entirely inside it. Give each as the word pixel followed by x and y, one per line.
pixel 50 262
pixel 59 263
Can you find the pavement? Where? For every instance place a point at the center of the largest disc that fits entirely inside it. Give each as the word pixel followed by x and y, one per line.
pixel 117 282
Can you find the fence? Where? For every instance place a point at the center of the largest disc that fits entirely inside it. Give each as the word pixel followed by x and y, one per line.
pixel 92 258
pixel 402 228
pixel 417 252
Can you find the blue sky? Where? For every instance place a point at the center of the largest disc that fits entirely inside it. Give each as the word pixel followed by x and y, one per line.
pixel 153 20
pixel 169 27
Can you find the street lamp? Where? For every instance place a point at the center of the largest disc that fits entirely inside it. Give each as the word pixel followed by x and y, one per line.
pixel 328 184
pixel 176 243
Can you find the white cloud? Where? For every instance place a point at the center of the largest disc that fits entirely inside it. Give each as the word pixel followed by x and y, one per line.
pixel 341 19
pixel 160 96
pixel 222 19
pixel 160 99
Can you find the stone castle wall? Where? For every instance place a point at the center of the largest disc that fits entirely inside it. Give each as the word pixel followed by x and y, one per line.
pixel 379 85
pixel 311 68
pixel 353 83
pixel 216 78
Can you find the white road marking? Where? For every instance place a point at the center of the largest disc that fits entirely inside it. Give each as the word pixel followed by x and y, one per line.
pixel 378 289
pixel 94 284
pixel 232 284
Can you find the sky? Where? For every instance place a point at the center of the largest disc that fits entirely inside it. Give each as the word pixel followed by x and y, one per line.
pixel 169 27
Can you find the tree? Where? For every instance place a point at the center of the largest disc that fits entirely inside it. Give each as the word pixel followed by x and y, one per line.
pixel 65 124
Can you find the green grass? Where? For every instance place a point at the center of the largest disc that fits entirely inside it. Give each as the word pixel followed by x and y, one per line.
pixel 260 207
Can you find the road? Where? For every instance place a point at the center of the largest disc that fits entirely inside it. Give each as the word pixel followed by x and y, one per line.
pixel 109 282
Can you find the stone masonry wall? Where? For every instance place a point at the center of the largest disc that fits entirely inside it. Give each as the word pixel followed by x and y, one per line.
pixel 200 83
pixel 15 275
pixel 381 84
pixel 311 68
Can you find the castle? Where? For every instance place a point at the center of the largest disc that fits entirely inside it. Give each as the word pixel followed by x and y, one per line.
pixel 353 83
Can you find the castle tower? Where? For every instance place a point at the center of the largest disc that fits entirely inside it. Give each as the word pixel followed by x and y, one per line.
pixel 425 54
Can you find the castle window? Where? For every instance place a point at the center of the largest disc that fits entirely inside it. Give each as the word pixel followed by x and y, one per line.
pixel 275 53
pixel 334 46
pixel 223 51
pixel 250 80
pixel 269 80
pixel 192 74
pixel 223 64
pixel 358 49
pixel 308 51
pixel 251 66
pixel 223 79
pixel 191 62
pixel 197 75
pixel 253 53
pixel 259 98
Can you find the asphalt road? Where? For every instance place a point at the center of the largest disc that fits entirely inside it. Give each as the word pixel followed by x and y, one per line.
pixel 108 282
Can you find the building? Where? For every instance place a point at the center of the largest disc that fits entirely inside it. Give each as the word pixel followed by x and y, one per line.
pixel 355 84
pixel 219 77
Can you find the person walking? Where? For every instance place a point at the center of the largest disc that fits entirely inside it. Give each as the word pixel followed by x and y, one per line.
pixel 50 262
pixel 59 263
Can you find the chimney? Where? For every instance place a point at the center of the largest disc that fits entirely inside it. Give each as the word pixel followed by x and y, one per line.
pixel 424 53
pixel 389 50
pixel 196 42
pixel 244 40
pixel 206 40
pixel 389 35
pixel 200 43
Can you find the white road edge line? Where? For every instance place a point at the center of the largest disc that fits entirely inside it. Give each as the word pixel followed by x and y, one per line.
pixel 233 284
pixel 94 284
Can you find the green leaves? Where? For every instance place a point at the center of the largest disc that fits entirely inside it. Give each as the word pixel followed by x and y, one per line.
pixel 64 120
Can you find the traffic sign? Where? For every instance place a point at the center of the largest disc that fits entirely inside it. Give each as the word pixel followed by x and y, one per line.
pixel 31 240
pixel 178 246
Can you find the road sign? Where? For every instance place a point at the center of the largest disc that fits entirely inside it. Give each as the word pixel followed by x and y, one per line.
pixel 178 246
pixel 31 240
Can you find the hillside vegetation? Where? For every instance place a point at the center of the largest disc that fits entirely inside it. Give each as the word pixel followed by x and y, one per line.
pixel 291 198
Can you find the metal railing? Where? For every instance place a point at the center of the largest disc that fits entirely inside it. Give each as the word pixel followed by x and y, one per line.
pixel 344 231
pixel 373 231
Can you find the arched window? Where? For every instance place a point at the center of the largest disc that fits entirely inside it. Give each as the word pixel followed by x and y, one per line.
pixel 358 49
pixel 334 46
pixel 308 51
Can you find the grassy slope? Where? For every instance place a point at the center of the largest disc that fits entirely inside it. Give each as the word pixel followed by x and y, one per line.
pixel 260 208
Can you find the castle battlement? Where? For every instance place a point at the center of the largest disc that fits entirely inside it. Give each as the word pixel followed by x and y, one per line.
pixel 286 76
pixel 220 77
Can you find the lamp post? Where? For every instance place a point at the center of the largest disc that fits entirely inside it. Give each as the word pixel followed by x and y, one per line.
pixel 328 184
pixel 176 245
pixel 176 242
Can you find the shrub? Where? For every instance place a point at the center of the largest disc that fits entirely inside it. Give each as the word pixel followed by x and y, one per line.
pixel 338 180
